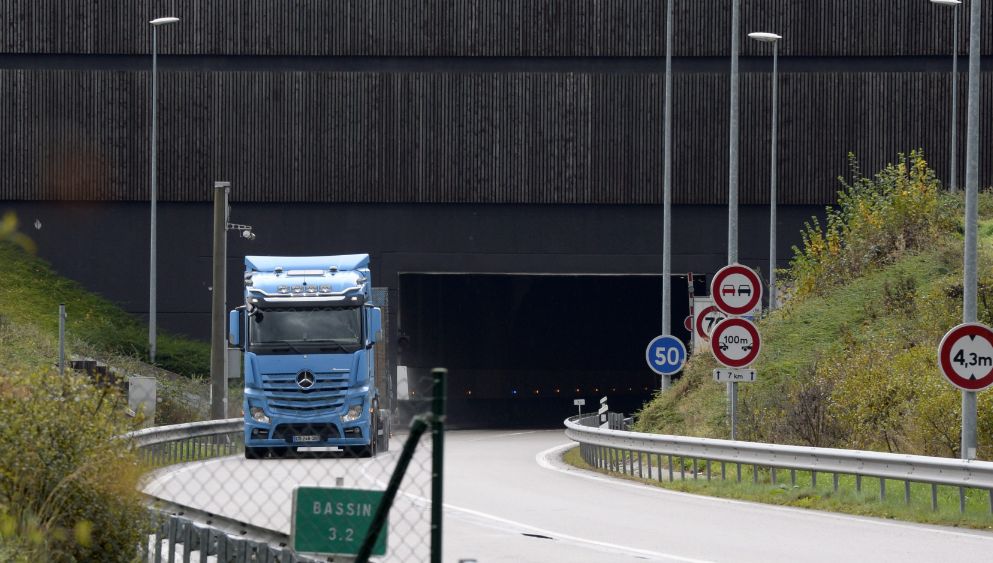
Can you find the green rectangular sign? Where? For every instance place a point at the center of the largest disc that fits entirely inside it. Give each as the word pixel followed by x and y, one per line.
pixel 334 521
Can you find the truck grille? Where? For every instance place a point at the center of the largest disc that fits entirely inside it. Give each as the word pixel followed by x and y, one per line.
pixel 325 397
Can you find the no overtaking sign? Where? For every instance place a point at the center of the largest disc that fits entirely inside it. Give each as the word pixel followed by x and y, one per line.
pixel 736 289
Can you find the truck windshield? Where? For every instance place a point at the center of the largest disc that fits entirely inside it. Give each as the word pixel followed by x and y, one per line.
pixel 299 330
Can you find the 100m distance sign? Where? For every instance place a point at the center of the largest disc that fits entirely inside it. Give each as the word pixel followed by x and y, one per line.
pixel 735 342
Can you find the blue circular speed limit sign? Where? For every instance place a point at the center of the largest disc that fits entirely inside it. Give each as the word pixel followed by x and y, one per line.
pixel 666 355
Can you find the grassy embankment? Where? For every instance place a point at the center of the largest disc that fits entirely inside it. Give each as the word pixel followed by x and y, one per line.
pixel 68 489
pixel 850 360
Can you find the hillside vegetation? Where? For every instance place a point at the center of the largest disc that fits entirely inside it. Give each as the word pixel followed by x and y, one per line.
pixel 68 487
pixel 850 360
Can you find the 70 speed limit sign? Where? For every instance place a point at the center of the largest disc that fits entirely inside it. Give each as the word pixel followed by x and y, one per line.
pixel 965 356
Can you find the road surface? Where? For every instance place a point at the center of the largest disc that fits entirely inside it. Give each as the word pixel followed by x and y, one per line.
pixel 509 498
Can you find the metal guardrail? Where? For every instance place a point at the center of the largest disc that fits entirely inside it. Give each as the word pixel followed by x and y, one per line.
pixel 625 452
pixel 182 532
pixel 178 443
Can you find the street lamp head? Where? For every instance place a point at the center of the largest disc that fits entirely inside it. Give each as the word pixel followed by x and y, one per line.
pixel 163 21
pixel 952 3
pixel 767 37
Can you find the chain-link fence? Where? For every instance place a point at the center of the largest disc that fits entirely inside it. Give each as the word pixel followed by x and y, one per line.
pixel 310 500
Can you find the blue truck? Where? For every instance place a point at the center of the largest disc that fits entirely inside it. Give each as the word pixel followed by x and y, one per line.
pixel 307 332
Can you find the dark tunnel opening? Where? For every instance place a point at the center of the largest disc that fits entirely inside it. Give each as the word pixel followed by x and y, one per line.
pixel 521 348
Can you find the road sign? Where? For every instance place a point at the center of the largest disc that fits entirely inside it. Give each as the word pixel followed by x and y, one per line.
pixel 728 375
pixel 735 342
pixel 579 402
pixel 665 354
pixel 688 323
pixel 707 319
pixel 965 356
pixel 736 289
pixel 334 521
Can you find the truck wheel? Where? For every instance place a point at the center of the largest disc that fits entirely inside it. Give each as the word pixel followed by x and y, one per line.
pixel 383 435
pixel 254 453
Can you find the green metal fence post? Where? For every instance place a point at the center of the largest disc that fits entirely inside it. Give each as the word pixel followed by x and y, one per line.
pixel 438 460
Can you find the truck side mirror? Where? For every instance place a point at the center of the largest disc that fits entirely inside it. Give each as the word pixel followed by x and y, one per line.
pixel 375 325
pixel 234 327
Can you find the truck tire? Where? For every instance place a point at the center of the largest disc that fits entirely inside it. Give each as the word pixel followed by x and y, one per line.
pixel 254 453
pixel 383 435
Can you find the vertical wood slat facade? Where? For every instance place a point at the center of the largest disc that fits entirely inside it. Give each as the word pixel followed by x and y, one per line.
pixel 456 137
pixel 514 28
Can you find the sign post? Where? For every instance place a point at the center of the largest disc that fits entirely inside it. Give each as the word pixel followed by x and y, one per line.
pixel 334 521
pixel 579 403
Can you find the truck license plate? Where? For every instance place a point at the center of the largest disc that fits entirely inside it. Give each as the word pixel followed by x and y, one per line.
pixel 306 438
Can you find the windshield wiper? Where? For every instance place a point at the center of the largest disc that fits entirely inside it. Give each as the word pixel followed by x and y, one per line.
pixel 287 348
pixel 332 346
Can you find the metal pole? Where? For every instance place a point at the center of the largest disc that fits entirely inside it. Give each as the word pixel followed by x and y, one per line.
pixel 733 153
pixel 733 176
pixel 952 183
pixel 218 383
pixel 437 460
pixel 667 191
pixel 971 218
pixel 772 188
pixel 152 258
pixel 62 338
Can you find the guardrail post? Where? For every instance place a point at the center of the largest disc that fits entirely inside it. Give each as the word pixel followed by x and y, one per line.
pixel 649 457
pixel 738 469
pixel 813 479
pixel 694 469
pixel 906 492
pixel 882 488
pixel 755 474
pixel 793 477
pixel 640 476
pixel 708 469
pixel 858 484
pixel 772 474
pixel 934 497
pixel 961 500
pixel 173 524
pixel 835 479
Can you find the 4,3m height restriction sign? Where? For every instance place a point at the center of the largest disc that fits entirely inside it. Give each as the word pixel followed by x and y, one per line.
pixel 965 356
pixel 736 289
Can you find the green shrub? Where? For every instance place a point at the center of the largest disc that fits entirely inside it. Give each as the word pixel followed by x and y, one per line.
pixel 875 221
pixel 68 488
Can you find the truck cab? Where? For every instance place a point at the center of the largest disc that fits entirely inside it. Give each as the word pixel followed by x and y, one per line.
pixel 307 332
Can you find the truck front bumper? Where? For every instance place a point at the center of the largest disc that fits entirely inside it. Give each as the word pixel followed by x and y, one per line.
pixel 320 431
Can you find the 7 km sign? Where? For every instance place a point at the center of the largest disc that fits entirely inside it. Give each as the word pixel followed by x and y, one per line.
pixel 736 289
pixel 965 356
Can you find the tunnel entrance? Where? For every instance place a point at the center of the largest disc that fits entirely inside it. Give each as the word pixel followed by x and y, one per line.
pixel 521 348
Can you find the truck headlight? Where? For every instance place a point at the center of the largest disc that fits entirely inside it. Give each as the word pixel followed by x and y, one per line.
pixel 354 412
pixel 258 415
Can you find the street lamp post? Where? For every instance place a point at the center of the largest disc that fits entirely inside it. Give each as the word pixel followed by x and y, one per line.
pixel 732 387
pixel 774 39
pixel 667 190
pixel 953 164
pixel 970 286
pixel 152 312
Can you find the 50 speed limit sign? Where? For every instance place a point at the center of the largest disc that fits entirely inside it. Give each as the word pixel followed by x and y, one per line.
pixel 965 356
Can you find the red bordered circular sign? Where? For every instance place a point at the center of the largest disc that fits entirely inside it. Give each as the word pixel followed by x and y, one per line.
pixel 735 342
pixel 736 289
pixel 707 319
pixel 688 323
pixel 965 356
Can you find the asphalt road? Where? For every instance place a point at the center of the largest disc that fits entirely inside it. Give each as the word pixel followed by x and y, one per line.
pixel 508 498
